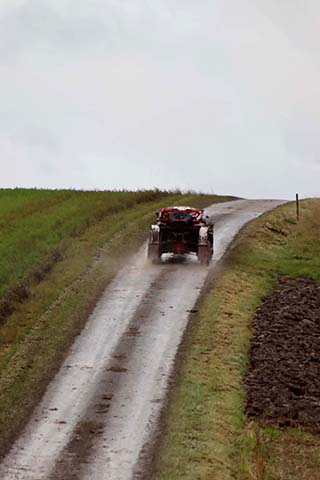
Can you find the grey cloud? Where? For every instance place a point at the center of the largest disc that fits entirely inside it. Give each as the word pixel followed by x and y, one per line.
pixel 212 95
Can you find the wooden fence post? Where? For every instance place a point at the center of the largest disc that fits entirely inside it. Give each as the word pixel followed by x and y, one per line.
pixel 298 207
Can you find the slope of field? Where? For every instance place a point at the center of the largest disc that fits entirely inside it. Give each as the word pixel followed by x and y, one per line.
pixel 34 224
pixel 58 251
pixel 206 431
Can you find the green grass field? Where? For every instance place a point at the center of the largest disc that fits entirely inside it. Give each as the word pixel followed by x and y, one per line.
pixel 33 223
pixel 58 252
pixel 206 433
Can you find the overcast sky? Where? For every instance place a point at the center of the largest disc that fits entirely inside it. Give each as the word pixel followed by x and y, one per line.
pixel 217 95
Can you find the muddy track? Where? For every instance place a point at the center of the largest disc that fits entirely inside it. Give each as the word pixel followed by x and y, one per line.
pixel 100 412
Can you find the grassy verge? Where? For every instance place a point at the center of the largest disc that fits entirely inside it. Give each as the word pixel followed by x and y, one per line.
pixel 206 434
pixel 63 250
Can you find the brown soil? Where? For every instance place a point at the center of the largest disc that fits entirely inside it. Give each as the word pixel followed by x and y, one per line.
pixel 283 380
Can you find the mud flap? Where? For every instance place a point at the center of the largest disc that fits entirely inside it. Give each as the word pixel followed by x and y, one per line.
pixel 205 247
pixel 154 253
pixel 204 254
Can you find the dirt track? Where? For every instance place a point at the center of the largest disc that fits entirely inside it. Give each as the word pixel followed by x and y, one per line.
pixel 101 410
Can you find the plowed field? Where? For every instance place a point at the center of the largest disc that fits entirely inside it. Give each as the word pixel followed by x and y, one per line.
pixel 283 382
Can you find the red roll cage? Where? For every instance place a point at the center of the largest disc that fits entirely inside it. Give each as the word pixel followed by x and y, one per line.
pixel 196 214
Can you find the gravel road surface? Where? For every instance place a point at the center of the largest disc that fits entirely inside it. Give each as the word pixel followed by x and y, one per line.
pixel 100 412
